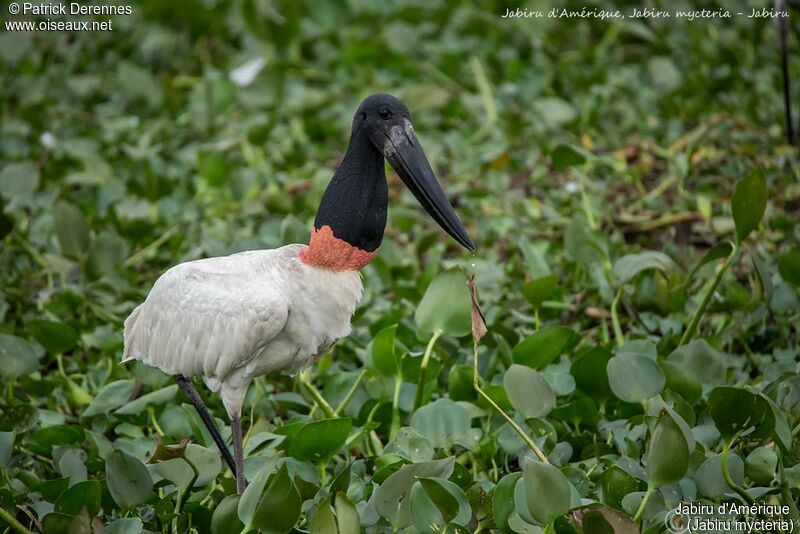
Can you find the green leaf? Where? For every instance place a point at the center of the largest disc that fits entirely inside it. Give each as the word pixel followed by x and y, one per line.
pixel 346 515
pixel 6 447
pixel 554 111
pixel 682 381
pixel 427 518
pixel 18 357
pixel 55 337
pixel 72 229
pixel 225 518
pixel 789 266
pixel 634 378
pixel 700 360
pixel 589 371
pixel 503 500
pixel 279 508
pixel 583 244
pixel 58 523
pixel 213 167
pixel 761 464
pixel 129 481
pixel 667 453
pixel 594 522
pixel 83 494
pixel 113 395
pixel 252 494
pixel 446 305
pixel 748 203
pixel 616 483
pixel 19 179
pixel 128 525
pixel 445 423
pixel 543 347
pixel 540 289
pixel 449 499
pixel 738 411
pixel 382 351
pixel 319 440
pixel 547 491
pixel 627 267
pixel 528 391
pixel 107 254
pixel 718 252
pixel 323 521
pixel 709 478
pixel 411 445
pixel 207 462
pixel 565 156
pixel 459 383
pixel 392 496
pixel 154 398
pixel 664 75
pixel 781 433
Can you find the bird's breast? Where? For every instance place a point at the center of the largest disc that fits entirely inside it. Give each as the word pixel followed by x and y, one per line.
pixel 321 304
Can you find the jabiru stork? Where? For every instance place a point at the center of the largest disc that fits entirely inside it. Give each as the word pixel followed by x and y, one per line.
pixel 231 319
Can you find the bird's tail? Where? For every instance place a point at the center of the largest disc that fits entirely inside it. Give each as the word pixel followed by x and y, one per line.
pixel 129 335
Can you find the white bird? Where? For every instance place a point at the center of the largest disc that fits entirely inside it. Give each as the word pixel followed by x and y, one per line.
pixel 231 319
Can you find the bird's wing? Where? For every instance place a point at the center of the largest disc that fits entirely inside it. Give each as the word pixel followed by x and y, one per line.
pixel 205 318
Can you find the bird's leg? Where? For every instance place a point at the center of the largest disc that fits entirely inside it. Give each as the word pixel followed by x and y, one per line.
pixel 186 385
pixel 236 430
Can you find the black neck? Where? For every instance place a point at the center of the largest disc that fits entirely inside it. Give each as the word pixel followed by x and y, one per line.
pixel 355 202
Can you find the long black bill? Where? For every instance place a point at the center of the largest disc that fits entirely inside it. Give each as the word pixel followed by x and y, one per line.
pixel 407 158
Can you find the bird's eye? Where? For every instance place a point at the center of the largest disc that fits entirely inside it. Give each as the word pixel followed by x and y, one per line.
pixel 384 113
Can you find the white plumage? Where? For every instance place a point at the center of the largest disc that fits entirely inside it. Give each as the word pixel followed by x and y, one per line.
pixel 230 319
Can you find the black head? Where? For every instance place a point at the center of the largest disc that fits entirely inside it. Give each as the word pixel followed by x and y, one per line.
pixel 354 205
pixel 386 121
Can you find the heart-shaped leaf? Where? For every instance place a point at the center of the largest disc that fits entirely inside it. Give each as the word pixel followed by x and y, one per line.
pixel 129 481
pixel 528 391
pixel 320 439
pixel 634 378
pixel 445 307
pixel 547 491
pixel 543 347
pixel 667 453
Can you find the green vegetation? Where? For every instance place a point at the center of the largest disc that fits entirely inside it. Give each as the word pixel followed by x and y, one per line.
pixel 635 209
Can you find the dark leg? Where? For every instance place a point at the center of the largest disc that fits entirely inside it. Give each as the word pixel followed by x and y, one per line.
pixel 236 430
pixel 186 385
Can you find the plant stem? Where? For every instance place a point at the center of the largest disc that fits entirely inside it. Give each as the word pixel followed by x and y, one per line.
pixel 423 369
pixel 350 392
pixel 12 522
pixel 139 256
pixel 618 335
pixel 152 413
pixel 398 382
pixel 698 314
pixel 727 474
pixel 536 450
pixel 643 504
pixel 317 396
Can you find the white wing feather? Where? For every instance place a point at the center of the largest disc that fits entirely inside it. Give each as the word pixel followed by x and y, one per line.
pixel 206 317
